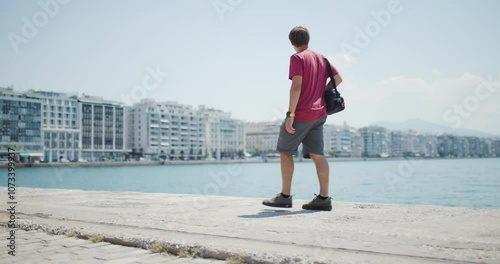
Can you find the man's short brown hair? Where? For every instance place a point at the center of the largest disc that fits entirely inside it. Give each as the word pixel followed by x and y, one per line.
pixel 299 36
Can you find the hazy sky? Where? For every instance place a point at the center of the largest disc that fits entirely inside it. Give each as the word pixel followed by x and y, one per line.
pixel 399 59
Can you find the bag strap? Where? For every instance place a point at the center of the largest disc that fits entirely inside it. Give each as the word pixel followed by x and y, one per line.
pixel 330 73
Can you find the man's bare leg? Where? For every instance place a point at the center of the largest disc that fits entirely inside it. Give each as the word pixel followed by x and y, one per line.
pixel 323 171
pixel 287 167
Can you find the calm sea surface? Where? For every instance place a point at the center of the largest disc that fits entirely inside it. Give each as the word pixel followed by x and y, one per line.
pixel 460 182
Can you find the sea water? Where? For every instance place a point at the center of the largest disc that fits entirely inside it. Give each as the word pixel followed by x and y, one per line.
pixel 446 182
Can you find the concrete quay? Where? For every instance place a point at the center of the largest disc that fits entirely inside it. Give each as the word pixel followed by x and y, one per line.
pixel 217 228
pixel 39 247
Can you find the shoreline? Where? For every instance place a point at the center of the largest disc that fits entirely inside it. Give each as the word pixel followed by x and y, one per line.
pixel 202 162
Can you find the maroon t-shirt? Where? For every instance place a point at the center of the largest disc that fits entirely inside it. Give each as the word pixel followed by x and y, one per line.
pixel 312 67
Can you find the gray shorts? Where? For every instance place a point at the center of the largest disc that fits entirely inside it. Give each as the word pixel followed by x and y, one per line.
pixel 310 134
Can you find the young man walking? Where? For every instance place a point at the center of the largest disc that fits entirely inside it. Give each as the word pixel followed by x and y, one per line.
pixel 304 121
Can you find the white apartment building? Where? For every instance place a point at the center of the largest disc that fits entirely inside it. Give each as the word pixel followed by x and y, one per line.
pixel 430 145
pixel 225 136
pixel 398 143
pixel 262 137
pixel 376 141
pixel 412 144
pixel 166 130
pixel 60 125
pixel 342 141
pixel 103 125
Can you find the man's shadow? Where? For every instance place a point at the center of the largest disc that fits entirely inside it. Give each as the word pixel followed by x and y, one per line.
pixel 265 213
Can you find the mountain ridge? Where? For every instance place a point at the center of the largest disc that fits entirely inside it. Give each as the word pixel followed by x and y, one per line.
pixel 432 128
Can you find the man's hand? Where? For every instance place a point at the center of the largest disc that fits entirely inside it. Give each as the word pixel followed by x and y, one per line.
pixel 289 125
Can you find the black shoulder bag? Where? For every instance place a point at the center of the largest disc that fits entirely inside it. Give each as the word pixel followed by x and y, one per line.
pixel 334 102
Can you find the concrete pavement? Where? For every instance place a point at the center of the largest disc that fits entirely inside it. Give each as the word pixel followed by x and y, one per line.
pixel 222 227
pixel 40 247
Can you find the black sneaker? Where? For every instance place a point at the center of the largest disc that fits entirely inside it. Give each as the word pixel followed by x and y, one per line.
pixel 278 201
pixel 319 204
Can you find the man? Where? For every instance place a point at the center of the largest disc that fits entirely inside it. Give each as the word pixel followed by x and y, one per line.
pixel 304 121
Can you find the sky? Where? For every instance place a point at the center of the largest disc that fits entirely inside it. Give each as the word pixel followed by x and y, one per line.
pixel 431 60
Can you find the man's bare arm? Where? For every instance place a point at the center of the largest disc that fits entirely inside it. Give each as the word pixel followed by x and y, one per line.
pixel 295 93
pixel 337 79
pixel 294 100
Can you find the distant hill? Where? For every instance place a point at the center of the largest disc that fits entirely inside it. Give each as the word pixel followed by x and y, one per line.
pixel 431 128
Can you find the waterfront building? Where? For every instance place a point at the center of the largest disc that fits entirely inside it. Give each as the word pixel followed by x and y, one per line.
pixel 496 147
pixel 262 137
pixel 430 146
pixel 103 127
pixel 20 125
pixel 166 130
pixel 474 147
pixel 60 126
pixel 481 147
pixel 376 141
pixel 343 141
pixel 398 143
pixel 413 146
pixel 487 148
pixel 419 145
pixel 225 136
pixel 467 147
pixel 451 146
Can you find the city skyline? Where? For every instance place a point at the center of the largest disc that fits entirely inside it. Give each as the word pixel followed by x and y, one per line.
pixel 400 60
pixel 417 125
pixel 58 127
